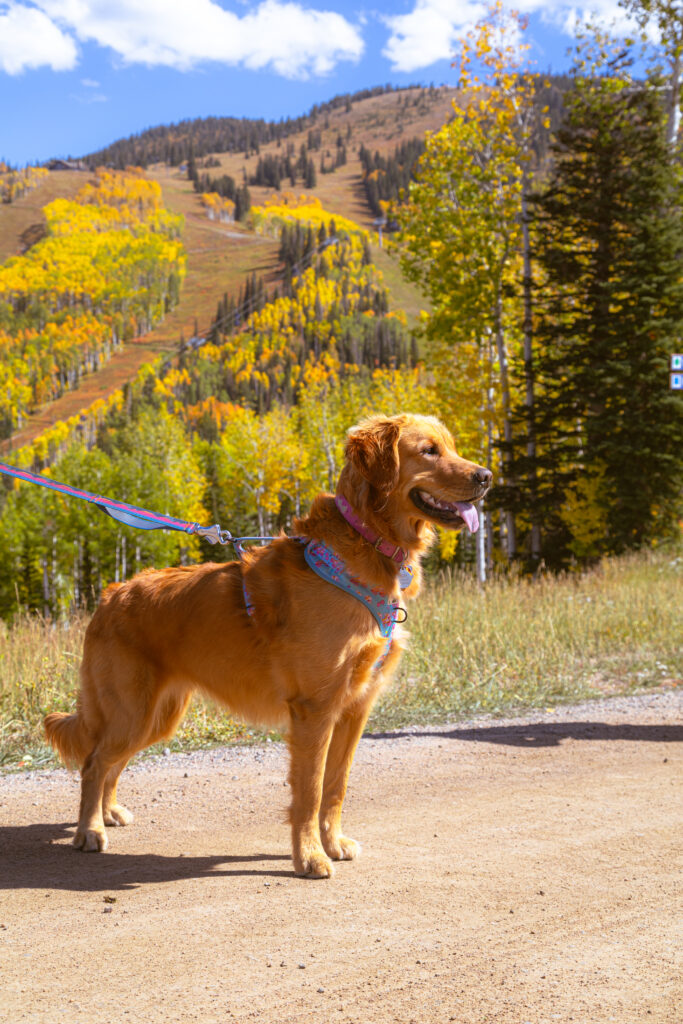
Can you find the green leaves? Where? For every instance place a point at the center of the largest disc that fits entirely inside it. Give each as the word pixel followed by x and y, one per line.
pixel 462 236
pixel 609 230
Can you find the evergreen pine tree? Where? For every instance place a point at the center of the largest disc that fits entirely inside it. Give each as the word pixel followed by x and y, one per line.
pixel 191 164
pixel 311 177
pixel 609 242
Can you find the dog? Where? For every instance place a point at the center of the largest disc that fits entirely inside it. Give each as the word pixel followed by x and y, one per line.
pixel 270 639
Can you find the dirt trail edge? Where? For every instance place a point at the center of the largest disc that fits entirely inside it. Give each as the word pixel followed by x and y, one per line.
pixel 519 870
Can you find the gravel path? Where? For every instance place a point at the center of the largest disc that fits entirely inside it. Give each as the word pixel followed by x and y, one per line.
pixel 514 870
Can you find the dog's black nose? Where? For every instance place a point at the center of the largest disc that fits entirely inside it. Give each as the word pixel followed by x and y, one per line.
pixel 482 476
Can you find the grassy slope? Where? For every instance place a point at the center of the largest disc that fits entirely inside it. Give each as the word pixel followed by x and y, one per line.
pixel 380 123
pixel 221 256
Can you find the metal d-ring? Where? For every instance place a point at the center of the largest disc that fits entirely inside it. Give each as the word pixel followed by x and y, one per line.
pixel 239 546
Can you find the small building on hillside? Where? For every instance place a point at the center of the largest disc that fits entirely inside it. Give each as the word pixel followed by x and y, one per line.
pixel 65 165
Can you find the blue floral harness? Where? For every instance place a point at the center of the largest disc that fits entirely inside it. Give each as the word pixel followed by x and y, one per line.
pixel 327 564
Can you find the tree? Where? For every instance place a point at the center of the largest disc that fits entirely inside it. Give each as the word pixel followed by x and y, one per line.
pixel 668 17
pixel 609 238
pixel 310 179
pixel 462 234
pixel 191 164
pixel 262 467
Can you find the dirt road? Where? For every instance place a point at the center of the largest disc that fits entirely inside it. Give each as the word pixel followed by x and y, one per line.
pixel 513 871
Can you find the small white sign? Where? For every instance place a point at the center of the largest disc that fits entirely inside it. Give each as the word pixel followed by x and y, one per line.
pixel 676 381
pixel 677 361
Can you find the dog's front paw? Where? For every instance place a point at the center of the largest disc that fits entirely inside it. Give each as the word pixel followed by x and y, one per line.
pixel 340 847
pixel 91 840
pixel 118 815
pixel 313 863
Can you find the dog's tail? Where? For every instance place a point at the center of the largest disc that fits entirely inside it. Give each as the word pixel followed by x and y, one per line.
pixel 69 737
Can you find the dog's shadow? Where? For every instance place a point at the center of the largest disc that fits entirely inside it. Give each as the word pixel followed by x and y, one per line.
pixel 546 734
pixel 36 857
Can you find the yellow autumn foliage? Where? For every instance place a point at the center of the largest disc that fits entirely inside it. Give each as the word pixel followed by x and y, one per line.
pixel 110 266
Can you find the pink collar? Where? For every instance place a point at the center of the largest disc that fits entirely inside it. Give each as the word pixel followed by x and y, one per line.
pixel 383 546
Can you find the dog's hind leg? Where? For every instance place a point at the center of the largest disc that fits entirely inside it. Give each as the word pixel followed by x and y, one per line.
pixel 90 834
pixel 128 722
pixel 166 719
pixel 114 813
pixel 99 778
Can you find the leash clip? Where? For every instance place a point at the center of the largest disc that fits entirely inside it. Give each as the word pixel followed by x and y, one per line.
pixel 213 534
pixel 399 622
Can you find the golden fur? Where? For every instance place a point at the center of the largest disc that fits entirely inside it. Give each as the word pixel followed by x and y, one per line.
pixel 304 660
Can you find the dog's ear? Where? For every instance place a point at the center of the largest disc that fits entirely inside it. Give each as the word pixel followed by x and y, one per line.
pixel 372 448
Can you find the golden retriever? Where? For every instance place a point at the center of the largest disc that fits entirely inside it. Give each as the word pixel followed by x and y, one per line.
pixel 305 659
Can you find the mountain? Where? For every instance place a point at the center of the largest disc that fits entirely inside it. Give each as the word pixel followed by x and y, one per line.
pixel 351 153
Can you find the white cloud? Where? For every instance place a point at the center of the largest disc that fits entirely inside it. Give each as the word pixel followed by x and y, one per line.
pixel 606 13
pixel 286 36
pixel 29 39
pixel 293 40
pixel 88 98
pixel 430 31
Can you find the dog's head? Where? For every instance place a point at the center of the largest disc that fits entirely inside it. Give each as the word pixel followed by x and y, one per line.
pixel 405 472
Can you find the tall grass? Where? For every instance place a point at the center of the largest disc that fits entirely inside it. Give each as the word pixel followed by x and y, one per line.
pixel 514 643
pixel 525 643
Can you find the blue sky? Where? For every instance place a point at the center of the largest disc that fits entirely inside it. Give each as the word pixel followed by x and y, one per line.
pixel 76 75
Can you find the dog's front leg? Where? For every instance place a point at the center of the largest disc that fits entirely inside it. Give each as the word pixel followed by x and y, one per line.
pixel 347 733
pixel 309 738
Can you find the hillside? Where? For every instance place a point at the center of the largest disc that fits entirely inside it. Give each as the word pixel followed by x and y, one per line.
pixel 380 124
pixel 22 222
pixel 221 256
pixel 329 141
pixel 173 144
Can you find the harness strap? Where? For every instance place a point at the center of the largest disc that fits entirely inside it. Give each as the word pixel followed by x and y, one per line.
pixel 330 567
pixel 327 564
pixel 248 604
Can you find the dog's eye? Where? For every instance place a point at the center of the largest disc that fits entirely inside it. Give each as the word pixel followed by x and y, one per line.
pixel 430 449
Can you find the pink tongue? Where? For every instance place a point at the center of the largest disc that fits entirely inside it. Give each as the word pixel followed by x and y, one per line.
pixel 469 514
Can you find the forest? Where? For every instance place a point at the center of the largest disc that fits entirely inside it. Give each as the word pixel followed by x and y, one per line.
pixel 556 291
pixel 553 299
pixel 243 429
pixel 15 182
pixel 174 144
pixel 109 267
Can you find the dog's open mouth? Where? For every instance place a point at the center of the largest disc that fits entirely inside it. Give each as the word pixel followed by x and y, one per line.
pixel 450 513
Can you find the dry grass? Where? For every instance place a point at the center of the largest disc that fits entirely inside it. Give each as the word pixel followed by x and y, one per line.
pixel 26 212
pixel 404 294
pixel 512 645
pixel 523 643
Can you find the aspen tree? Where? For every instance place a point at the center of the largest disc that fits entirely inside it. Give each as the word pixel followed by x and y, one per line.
pixel 463 235
pixel 667 16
